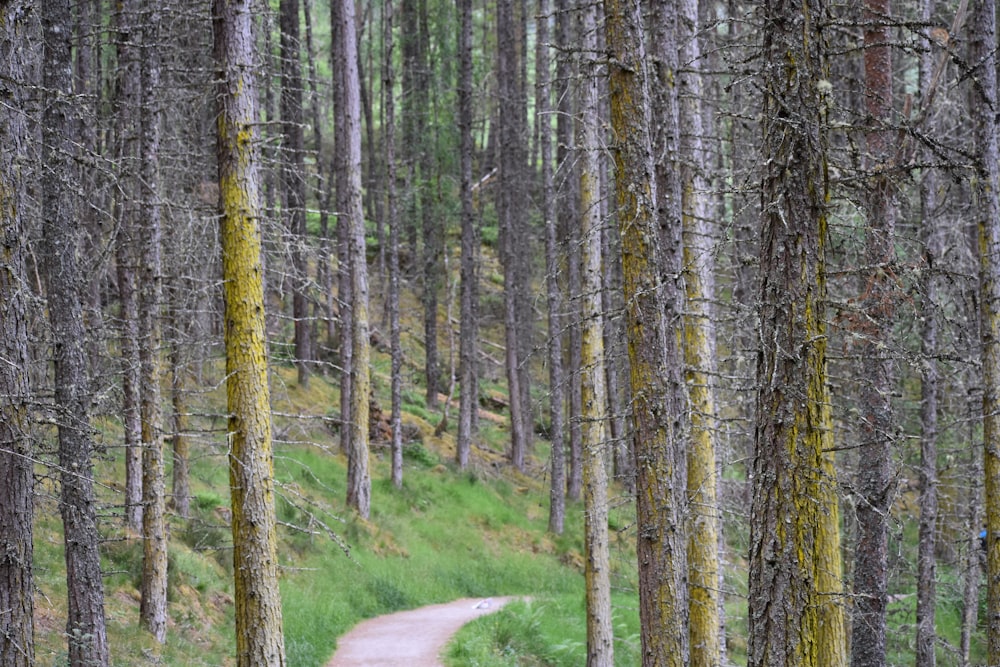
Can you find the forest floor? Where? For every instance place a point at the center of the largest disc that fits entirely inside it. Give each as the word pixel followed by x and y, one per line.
pixel 412 638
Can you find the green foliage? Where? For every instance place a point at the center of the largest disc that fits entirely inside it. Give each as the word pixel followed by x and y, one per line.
pixel 415 452
pixel 550 633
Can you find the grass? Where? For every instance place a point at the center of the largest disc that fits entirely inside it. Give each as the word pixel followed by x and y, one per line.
pixel 447 533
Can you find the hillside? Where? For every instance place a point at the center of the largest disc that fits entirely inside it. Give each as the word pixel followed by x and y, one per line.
pixel 445 534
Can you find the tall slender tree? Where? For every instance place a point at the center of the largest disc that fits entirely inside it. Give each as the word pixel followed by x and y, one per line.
pixel 597 575
pixel 128 103
pixel 17 642
pixel 510 169
pixel 796 616
pixel 86 629
pixel 294 179
pixel 567 183
pixel 983 101
pixel 469 398
pixel 699 350
pixel 392 210
pixel 557 393
pixel 358 475
pixel 259 639
pixel 874 475
pixel 652 309
pixel 926 653
pixel 153 607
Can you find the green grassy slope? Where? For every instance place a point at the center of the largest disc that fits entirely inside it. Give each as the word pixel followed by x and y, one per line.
pixel 446 534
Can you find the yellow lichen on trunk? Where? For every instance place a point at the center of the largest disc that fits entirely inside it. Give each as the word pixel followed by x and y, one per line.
pixel 259 638
pixel 990 336
pixel 600 636
pixel 703 535
pixel 655 375
pixel 796 590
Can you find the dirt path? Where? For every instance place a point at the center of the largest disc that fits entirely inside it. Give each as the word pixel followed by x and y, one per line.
pixel 412 638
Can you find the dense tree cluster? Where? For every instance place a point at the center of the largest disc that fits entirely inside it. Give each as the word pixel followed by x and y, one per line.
pixel 738 263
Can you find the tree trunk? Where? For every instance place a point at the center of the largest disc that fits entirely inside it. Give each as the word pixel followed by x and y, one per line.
pixel 705 584
pixel 181 444
pixel 153 608
pixel 874 475
pixel 982 51
pixel 395 347
pixel 597 564
pixel 927 540
pixel 17 644
pixel 87 81
pixel 85 627
pixel 615 367
pixel 358 477
pixel 507 191
pixel 796 616
pixel 467 328
pixel 294 177
pixel 543 96
pixel 972 559
pixel 569 232
pixel 650 313
pixel 259 638
pixel 127 127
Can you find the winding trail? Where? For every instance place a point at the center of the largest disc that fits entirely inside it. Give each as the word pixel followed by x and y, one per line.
pixel 412 638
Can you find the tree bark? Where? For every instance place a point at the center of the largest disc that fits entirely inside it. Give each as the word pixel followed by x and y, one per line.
pixel 127 142
pixel 874 475
pixel 396 351
pixel 17 645
pixel 926 654
pixel 569 232
pixel 259 638
pixel 507 191
pixel 705 584
pixel 358 476
pixel 597 564
pixel 795 569
pixel 982 52
pixel 180 443
pixel 153 606
pixel 651 311
pixel 553 294
pixel 468 330
pixel 85 627
pixel 294 177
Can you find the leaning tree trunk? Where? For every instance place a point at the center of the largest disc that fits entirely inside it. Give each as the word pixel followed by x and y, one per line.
pixel 17 646
pixel 85 627
pixel 982 52
pixel 259 640
pixel 796 616
pixel 651 311
pixel 358 476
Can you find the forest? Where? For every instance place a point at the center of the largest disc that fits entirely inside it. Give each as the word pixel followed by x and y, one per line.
pixel 720 278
